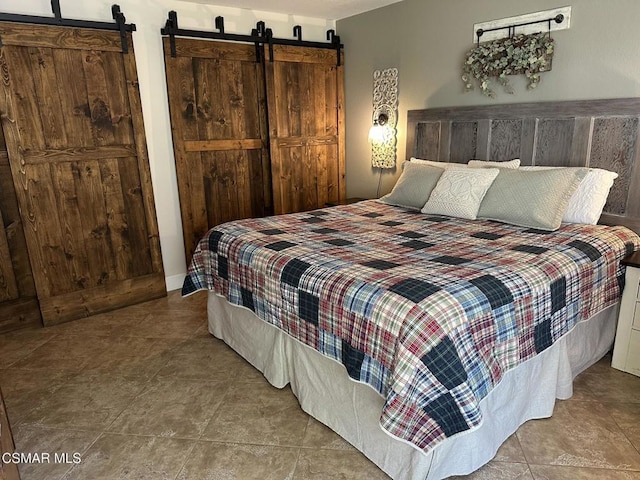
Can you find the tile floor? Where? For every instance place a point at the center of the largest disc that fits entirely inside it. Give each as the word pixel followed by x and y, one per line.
pixel 147 393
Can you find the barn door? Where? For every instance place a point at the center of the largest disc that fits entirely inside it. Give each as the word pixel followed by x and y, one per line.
pixel 216 100
pixel 72 121
pixel 18 303
pixel 306 127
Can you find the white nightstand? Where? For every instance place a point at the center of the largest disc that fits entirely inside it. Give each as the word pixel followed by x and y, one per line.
pixel 626 350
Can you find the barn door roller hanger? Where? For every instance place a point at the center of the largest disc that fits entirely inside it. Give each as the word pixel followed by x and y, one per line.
pixel 120 24
pixel 259 36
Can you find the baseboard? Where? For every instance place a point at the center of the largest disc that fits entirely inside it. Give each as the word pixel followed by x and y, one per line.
pixel 174 282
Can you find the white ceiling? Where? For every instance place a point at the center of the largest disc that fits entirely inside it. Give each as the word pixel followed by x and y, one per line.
pixel 326 9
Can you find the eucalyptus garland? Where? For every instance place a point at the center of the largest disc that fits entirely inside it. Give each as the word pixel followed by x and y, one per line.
pixel 529 55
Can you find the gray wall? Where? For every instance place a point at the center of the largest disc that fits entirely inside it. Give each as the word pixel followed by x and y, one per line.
pixel 598 57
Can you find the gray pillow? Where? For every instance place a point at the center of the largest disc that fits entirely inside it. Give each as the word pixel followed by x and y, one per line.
pixel 536 199
pixel 414 185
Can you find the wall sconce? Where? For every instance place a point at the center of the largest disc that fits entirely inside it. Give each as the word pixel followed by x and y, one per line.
pixel 379 128
pixel 382 134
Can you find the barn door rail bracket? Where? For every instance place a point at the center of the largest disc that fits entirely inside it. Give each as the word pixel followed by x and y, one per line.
pixel 121 22
pixel 261 35
pixel 57 20
pixel 261 31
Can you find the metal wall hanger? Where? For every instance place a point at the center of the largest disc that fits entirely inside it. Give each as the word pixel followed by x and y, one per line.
pixel 119 24
pixel 261 35
pixel 512 28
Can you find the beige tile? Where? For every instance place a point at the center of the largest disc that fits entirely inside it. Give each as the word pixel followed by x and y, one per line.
pixel 17 383
pixel 133 356
pixel 87 402
pixel 68 352
pixel 208 358
pixel 607 384
pixel 318 435
pixel 166 324
pixel 171 407
pixel 14 346
pixel 581 434
pixel 63 447
pixel 174 301
pixel 102 325
pixel 602 366
pixel 203 331
pixel 336 464
pixel 259 414
pixel 197 300
pixel 124 457
pixel 496 470
pixel 127 321
pixel 141 370
pixel 627 417
pixel 510 451
pixel 210 460
pixel 27 390
pixel 581 390
pixel 547 472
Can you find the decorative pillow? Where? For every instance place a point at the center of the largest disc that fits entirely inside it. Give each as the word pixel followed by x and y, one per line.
pixel 439 164
pixel 536 199
pixel 459 192
pixel 515 163
pixel 587 202
pixel 414 185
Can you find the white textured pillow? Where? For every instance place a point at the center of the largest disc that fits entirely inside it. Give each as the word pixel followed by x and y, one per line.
pixel 444 165
pixel 459 192
pixel 587 202
pixel 515 163
pixel 531 199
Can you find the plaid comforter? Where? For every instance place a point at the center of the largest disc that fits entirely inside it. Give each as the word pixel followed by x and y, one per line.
pixel 430 311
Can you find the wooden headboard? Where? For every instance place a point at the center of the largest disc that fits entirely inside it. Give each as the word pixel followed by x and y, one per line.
pixel 594 133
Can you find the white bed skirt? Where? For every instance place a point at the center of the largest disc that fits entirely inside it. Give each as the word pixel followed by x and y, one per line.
pixel 353 410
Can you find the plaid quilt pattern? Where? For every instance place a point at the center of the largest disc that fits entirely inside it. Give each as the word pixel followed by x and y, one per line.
pixel 429 311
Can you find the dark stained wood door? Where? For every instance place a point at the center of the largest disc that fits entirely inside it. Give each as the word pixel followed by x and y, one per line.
pixel 305 95
pixel 73 126
pixel 216 101
pixel 18 302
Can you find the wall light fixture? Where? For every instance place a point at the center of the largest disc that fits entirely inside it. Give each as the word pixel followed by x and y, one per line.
pixel 382 133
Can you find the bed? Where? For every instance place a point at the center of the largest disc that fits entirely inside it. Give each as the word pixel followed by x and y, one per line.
pixel 424 339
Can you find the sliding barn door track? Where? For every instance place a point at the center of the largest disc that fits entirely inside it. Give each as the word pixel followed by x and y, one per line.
pixel 259 36
pixel 57 20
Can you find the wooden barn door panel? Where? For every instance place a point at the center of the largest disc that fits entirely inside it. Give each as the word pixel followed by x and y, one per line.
pixel 216 101
pixel 306 123
pixel 74 131
pixel 18 303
